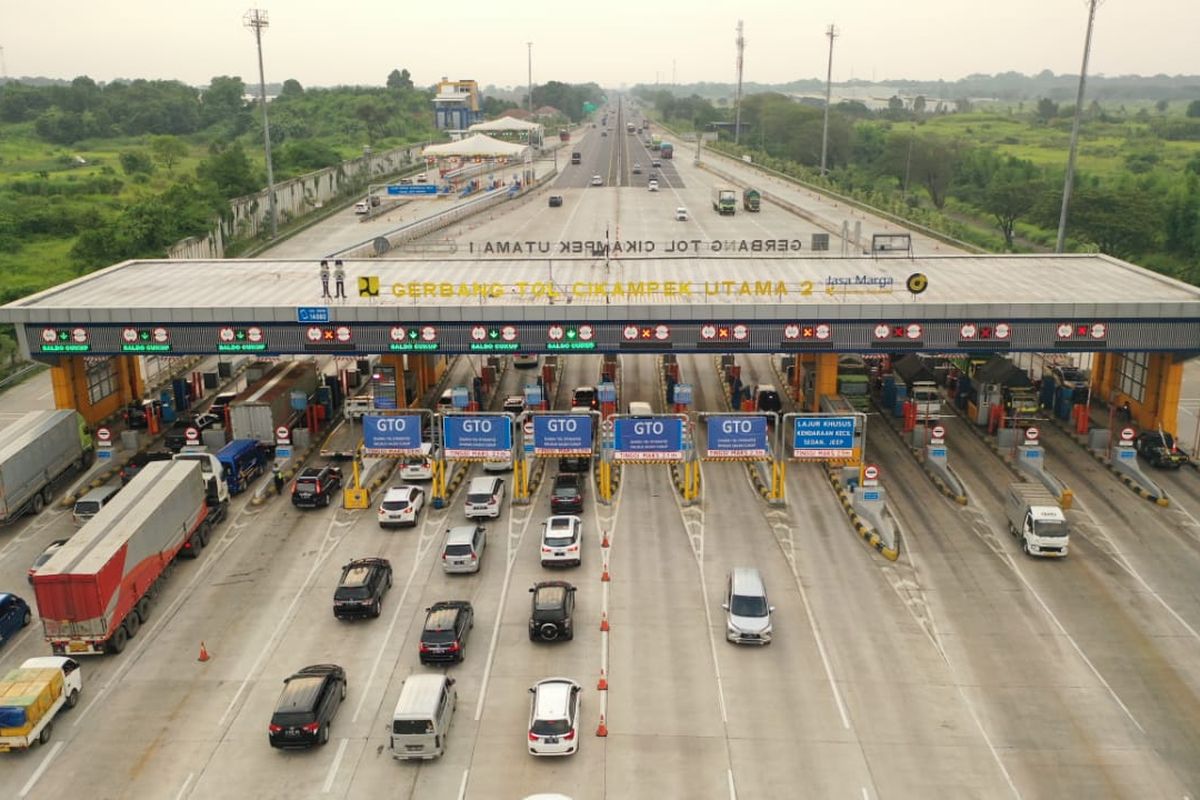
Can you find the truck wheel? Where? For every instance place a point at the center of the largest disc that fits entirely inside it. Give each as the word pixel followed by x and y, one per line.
pixel 143 609
pixel 39 503
pixel 132 625
pixel 44 736
pixel 117 643
pixel 73 698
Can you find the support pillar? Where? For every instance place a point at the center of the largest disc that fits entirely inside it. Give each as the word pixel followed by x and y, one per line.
pixel 1164 378
pixel 826 380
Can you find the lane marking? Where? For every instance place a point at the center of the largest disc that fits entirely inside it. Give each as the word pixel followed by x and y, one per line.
pixel 183 789
pixel 333 768
pixel 732 788
pixel 462 786
pixel 41 769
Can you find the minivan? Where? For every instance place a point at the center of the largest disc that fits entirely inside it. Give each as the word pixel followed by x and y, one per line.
pixel 748 615
pixel 463 551
pixel 485 497
pixel 90 504
pixel 422 716
pixel 420 468
pixel 640 408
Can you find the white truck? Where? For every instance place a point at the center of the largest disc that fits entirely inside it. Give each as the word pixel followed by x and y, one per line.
pixel 35 451
pixel 1035 518
pixel 927 399
pixel 216 488
pixel 31 695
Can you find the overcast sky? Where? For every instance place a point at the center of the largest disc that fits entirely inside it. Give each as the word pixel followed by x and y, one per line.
pixel 613 42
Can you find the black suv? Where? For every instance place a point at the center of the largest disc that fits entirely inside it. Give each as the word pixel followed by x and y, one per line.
pixel 360 591
pixel 566 497
pixel 139 460
pixel 307 706
pixel 552 608
pixel 574 464
pixel 176 436
pixel 1159 449
pixel 314 486
pixel 444 637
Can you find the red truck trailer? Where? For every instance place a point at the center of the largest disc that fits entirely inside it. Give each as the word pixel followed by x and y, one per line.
pixel 94 594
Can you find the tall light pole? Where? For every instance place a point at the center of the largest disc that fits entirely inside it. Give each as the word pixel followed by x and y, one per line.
pixel 256 19
pixel 530 46
pixel 1070 179
pixel 832 33
pixel 737 100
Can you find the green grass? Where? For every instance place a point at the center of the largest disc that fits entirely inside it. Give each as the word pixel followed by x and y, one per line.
pixel 38 265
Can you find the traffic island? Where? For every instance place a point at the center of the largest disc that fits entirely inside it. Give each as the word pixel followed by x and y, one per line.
pixel 862 525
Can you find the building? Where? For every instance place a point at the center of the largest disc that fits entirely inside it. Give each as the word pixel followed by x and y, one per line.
pixel 456 105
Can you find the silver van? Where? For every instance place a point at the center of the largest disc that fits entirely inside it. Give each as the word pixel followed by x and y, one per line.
pixel 485 498
pixel 422 716
pixel 463 551
pixel 747 612
pixel 90 504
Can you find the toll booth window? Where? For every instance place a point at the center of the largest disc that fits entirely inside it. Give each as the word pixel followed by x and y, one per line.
pixel 101 378
pixel 1133 368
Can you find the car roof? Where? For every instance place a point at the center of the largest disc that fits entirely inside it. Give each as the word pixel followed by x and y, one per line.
pixel 441 616
pixel 482 483
pixel 552 697
pixel 461 534
pixel 747 580
pixel 401 492
pixel 563 521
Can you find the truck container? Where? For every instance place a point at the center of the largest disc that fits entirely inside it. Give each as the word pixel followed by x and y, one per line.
pixel 751 199
pixel 94 594
pixel 853 381
pixel 31 695
pixel 666 150
pixel 724 200
pixel 576 157
pixel 267 404
pixel 35 451
pixel 1035 518
pixel 564 135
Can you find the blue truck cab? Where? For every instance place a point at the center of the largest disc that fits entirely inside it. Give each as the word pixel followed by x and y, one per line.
pixel 243 460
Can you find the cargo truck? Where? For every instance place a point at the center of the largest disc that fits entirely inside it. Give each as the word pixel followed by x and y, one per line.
pixel 31 695
pixel 666 150
pixel 1035 518
pixel 268 404
pixel 724 200
pixel 94 594
pixel 751 199
pixel 35 451
pixel 217 484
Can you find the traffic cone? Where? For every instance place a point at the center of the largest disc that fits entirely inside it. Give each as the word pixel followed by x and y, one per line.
pixel 604 576
pixel 604 621
pixel 604 541
pixel 602 731
pixel 203 653
pixel 602 686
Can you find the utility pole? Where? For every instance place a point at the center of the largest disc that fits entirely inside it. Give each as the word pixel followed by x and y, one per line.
pixel 530 46
pixel 3 65
pixel 673 81
pixel 1070 179
pixel 256 19
pixel 832 33
pixel 737 99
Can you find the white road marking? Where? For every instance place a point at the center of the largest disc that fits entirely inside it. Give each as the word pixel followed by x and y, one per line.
pixel 333 768
pixel 462 786
pixel 732 788
pixel 37 774
pixel 183 789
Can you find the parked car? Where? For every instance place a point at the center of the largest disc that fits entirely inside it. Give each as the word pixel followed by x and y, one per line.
pixel 307 706
pixel 552 611
pixel 562 540
pixel 401 506
pixel 566 496
pixel 139 460
pixel 463 550
pixel 444 637
pixel 314 486
pixel 556 200
pixel 1066 375
pixel 1160 450
pixel 361 588
pixel 554 717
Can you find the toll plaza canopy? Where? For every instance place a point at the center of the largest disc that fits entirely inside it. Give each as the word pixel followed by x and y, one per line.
pixel 505 125
pixel 568 296
pixel 475 146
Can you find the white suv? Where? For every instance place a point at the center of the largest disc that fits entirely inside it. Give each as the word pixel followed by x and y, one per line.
pixel 485 498
pixel 562 540
pixel 401 505
pixel 554 717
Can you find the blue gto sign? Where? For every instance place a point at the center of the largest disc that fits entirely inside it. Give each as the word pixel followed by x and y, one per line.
pixel 737 436
pixel 388 436
pixel 477 436
pixel 648 439
pixel 562 434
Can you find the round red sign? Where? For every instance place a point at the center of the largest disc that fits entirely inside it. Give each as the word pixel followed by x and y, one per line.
pixel 1031 433
pixel 103 434
pixel 282 433
pixel 871 472
pixel 938 432
pixel 1127 434
pixel 192 434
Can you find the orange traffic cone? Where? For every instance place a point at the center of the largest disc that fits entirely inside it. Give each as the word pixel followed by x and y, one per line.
pixel 604 621
pixel 604 576
pixel 602 686
pixel 603 729
pixel 203 653
pixel 604 541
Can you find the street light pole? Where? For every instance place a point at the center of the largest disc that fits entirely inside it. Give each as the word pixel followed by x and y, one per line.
pixel 831 32
pixel 530 46
pixel 1066 198
pixel 257 19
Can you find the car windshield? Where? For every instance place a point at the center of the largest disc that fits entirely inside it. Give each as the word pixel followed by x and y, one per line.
pixel 415 461
pixel 550 727
pixel 565 491
pixel 549 598
pixel 395 505
pixel 90 507
pixel 458 549
pixel 748 606
pixel 1051 529
pixel 44 557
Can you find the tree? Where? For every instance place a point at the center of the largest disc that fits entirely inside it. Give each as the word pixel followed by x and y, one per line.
pixel 222 101
pixel 399 79
pixel 168 150
pixel 895 103
pixel 373 115
pixel 919 104
pixel 136 161
pixel 291 88
pixel 1047 110
pixel 1193 108
pixel 1161 106
pixel 228 172
pixel 1122 221
pixel 1011 194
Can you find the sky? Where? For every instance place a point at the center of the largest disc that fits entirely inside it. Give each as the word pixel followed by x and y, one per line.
pixel 323 43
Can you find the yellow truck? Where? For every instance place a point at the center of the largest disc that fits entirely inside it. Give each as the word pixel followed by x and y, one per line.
pixel 30 697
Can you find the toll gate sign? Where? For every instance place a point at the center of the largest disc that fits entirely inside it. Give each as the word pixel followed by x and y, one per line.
pixel 642 439
pixel 736 436
pixel 477 437
pixel 816 438
pixel 562 434
pixel 390 436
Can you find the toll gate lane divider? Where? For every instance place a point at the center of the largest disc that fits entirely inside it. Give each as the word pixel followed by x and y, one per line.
pixel 753 468
pixel 890 422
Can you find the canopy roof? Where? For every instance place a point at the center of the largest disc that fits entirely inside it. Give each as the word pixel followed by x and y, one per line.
pixel 505 124
pixel 477 145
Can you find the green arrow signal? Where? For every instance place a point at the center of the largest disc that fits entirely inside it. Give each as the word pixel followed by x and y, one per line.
pixel 571 334
pixel 63 336
pixel 412 334
pixel 239 335
pixel 493 334
pixel 144 335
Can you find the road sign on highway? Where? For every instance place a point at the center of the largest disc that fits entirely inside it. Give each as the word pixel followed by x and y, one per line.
pixel 104 435
pixel 1031 434
pixel 658 438
pixel 282 434
pixel 562 434
pixel 392 435
pixel 742 436
pixel 310 314
pixel 191 435
pixel 1127 434
pixel 818 437
pixel 871 473
pixel 477 437
pixel 527 426
pixel 938 432
pixel 411 189
pixel 683 394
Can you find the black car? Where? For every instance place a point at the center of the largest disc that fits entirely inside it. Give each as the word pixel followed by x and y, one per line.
pixel 360 591
pixel 585 397
pixel 139 460
pixel 444 637
pixel 314 486
pixel 1160 450
pixel 566 496
pixel 574 464
pixel 551 612
pixel 175 438
pixel 137 415
pixel 555 200
pixel 305 710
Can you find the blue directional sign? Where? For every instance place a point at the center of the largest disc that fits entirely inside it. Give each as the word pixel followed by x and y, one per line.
pixel 392 435
pixel 317 314
pixel 648 439
pixel 477 437
pixel 409 189
pixel 737 436
pixel 607 392
pixel 533 394
pixel 683 394
pixel 823 437
pixel 562 434
pixel 460 397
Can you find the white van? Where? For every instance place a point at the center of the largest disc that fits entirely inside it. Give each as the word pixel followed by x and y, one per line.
pixel 485 497
pixel 422 716
pixel 90 504
pixel 639 408
pixel 362 207
pixel 420 468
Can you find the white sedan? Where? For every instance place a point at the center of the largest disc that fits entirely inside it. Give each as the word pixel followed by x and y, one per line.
pixel 597 180
pixel 401 505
